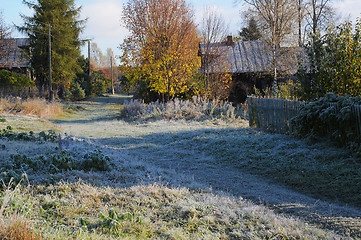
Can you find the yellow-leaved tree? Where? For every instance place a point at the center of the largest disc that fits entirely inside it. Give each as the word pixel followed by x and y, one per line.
pixel 162 47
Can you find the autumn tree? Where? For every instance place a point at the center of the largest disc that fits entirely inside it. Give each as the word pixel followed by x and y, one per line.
pixel 113 69
pixel 162 47
pixel 62 16
pixel 213 32
pixel 104 63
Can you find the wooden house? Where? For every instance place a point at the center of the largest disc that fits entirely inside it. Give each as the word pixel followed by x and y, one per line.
pixel 250 63
pixel 13 55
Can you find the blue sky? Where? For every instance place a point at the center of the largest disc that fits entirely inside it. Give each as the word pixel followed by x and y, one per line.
pixel 104 25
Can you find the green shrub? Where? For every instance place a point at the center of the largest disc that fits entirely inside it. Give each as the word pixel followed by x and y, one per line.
pixel 99 83
pixel 95 161
pixel 14 81
pixel 53 163
pixel 329 117
pixel 77 92
pixel 334 63
pixel 67 95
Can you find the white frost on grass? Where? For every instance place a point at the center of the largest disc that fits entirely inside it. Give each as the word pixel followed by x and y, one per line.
pixel 209 154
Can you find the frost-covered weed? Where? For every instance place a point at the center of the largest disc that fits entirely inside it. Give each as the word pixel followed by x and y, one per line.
pixel 197 109
pixel 81 211
pixel 42 156
pixel 51 163
pixel 8 133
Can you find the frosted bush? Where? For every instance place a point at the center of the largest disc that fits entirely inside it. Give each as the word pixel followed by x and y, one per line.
pixel 196 109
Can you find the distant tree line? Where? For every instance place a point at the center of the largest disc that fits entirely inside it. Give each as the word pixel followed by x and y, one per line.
pixel 161 54
pixel 69 69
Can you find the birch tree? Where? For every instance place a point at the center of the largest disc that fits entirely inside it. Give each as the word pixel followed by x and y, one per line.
pixel 98 60
pixel 277 20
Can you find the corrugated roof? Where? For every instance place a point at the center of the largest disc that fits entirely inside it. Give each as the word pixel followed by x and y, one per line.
pixel 253 56
pixel 12 55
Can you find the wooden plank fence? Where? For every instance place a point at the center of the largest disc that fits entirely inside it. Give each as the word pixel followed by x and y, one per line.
pixel 275 115
pixel 356 110
pixel 271 114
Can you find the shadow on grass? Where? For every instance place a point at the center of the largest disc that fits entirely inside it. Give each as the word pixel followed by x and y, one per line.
pixel 243 163
pixel 318 170
pixel 110 99
pixel 252 165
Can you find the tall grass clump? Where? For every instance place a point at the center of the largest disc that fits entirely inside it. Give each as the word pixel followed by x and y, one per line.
pixel 35 107
pixel 13 223
pixel 196 109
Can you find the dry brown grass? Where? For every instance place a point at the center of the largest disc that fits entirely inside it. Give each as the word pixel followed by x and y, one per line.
pixel 16 227
pixel 35 107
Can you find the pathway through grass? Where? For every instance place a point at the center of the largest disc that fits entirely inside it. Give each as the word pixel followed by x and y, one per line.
pixel 225 157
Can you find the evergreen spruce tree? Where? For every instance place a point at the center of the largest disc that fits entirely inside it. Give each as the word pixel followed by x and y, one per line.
pixel 251 32
pixel 65 28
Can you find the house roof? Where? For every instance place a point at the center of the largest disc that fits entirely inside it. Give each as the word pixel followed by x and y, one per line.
pixel 253 57
pixel 12 54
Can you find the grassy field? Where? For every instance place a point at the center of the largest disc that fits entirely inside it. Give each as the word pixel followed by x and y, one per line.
pixel 111 179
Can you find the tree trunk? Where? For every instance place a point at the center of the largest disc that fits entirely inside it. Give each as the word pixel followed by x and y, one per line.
pixel 300 23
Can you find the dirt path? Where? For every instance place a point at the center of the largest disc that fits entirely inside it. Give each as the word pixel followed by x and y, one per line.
pixel 156 144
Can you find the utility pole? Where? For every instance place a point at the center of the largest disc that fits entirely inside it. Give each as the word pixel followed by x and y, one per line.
pixel 51 97
pixel 111 73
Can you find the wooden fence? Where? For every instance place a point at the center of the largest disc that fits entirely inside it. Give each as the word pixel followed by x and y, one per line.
pixel 275 115
pixel 356 110
pixel 271 114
